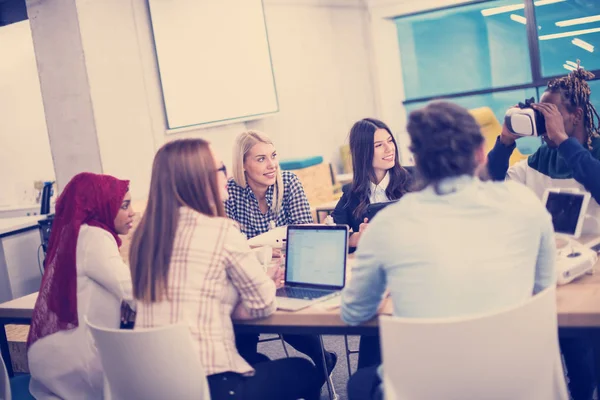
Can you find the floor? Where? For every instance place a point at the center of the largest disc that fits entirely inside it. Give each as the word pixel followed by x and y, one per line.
pixel 274 350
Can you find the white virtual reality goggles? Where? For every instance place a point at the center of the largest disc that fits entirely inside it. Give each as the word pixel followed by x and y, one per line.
pixel 524 120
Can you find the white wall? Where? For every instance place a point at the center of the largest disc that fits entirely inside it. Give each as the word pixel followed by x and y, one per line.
pixel 321 58
pixel 24 149
pixel 323 70
pixel 334 61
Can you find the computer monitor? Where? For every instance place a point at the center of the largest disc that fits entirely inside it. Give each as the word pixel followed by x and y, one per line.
pixel 568 209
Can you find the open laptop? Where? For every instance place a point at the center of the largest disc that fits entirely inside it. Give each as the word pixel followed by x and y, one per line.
pixel 315 265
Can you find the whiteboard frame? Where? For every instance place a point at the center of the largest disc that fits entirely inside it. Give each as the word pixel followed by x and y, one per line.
pixel 207 124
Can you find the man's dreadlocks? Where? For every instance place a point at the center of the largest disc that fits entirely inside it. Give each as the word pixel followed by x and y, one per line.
pixel 575 91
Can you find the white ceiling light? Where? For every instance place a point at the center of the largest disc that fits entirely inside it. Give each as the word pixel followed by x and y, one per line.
pixel 514 7
pixel 583 44
pixel 571 33
pixel 519 19
pixel 499 10
pixel 568 67
pixel 578 21
pixel 546 2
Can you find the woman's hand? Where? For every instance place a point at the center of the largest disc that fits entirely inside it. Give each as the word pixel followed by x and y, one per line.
pixel 355 237
pixel 363 226
pixel 277 274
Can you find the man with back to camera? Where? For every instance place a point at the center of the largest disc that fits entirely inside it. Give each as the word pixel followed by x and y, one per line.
pixel 570 158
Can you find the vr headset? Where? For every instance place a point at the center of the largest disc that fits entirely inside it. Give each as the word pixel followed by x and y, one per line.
pixel 524 120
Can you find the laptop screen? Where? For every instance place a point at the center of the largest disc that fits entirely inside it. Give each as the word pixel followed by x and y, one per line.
pixel 316 255
pixel 565 209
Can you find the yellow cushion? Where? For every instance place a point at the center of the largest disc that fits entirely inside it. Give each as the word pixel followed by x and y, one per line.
pixel 490 129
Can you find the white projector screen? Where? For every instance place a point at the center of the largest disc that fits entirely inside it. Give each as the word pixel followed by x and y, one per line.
pixel 214 60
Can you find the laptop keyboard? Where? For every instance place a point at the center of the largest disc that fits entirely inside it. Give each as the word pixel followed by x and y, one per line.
pixel 302 293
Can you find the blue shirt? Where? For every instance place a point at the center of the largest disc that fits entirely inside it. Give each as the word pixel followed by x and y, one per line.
pixel 478 247
pixel 242 206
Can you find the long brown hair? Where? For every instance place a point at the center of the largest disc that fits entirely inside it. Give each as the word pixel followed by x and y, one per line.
pixel 362 148
pixel 183 174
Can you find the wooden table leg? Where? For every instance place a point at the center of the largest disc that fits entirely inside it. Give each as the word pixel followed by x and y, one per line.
pixel 5 350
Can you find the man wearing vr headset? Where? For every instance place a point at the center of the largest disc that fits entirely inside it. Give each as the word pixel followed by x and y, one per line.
pixel 570 159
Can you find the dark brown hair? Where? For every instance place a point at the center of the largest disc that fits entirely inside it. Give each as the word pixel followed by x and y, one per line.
pixel 444 138
pixel 362 148
pixel 183 174
pixel 575 93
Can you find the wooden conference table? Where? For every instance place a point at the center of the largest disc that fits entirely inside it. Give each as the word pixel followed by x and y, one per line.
pixel 578 307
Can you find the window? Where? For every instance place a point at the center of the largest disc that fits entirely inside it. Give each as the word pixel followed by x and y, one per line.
pixel 499 102
pixel 479 55
pixel 463 49
pixel 568 31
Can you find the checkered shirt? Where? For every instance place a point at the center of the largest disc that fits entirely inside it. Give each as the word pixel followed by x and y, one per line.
pixel 212 269
pixel 242 206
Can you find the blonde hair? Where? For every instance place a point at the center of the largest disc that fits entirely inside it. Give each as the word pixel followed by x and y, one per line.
pixel 243 143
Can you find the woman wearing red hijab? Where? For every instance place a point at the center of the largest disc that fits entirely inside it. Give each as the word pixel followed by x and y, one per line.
pixel 84 276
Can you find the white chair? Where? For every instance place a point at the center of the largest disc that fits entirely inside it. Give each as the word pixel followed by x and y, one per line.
pixel 510 354
pixel 149 364
pixel 5 393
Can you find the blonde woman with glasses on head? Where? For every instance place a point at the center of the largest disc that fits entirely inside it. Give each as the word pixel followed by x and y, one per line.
pixel 213 277
pixel 262 197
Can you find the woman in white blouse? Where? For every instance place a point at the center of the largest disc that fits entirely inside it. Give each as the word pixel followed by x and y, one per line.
pixel 84 276
pixel 378 176
pixel 190 264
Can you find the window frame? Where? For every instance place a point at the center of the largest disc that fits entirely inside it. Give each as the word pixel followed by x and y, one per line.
pixel 534 56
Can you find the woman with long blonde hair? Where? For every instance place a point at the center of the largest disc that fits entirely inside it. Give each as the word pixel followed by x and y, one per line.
pixel 191 265
pixel 261 197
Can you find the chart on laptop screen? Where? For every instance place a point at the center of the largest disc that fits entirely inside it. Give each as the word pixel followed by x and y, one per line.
pixel 316 256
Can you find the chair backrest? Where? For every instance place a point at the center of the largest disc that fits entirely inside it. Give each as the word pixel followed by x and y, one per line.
pixel 158 363
pixel 510 354
pixel 4 381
